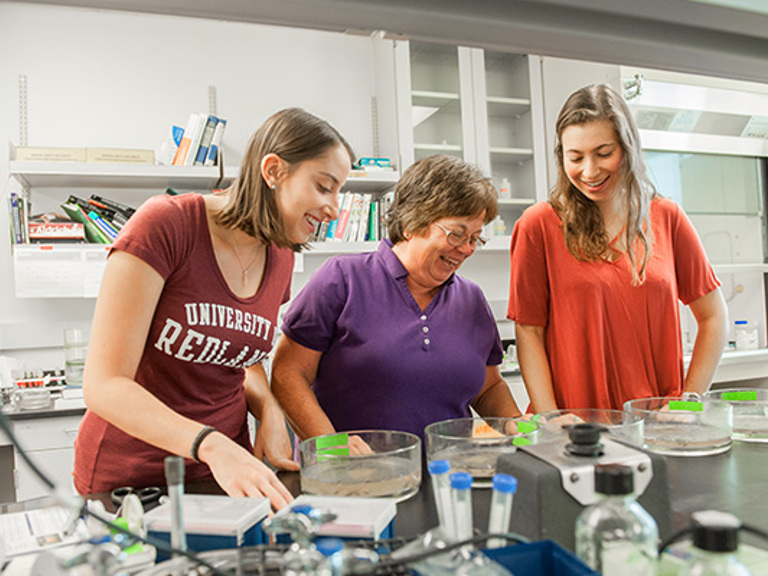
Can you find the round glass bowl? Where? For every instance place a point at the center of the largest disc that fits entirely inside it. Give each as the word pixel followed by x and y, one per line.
pixel 364 463
pixel 473 445
pixel 677 426
pixel 750 412
pixel 31 398
pixel 624 426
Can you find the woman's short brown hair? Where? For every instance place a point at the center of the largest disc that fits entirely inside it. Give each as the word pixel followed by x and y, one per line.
pixel 436 187
pixel 295 136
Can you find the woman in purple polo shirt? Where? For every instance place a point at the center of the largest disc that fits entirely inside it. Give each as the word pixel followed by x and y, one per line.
pixel 395 339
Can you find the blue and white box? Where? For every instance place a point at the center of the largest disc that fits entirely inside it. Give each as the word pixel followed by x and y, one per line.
pixel 356 518
pixel 212 522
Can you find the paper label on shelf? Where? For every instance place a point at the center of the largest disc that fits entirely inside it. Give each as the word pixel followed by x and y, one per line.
pixel 55 272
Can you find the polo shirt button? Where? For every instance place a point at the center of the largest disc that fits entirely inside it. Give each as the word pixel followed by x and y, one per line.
pixel 425 329
pixel 426 341
pixel 423 316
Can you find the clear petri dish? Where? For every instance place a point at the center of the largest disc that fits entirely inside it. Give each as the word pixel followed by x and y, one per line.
pixel 473 445
pixel 32 398
pixel 623 426
pixel 363 463
pixel 750 412
pixel 677 426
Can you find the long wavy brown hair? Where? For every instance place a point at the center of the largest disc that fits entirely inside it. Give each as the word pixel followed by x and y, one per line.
pixel 585 234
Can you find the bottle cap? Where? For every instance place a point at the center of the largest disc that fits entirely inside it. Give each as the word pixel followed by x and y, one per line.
pixel 302 509
pixel 740 322
pixel 461 481
pixel 505 483
pixel 614 479
pixel 328 546
pixel 715 531
pixel 438 467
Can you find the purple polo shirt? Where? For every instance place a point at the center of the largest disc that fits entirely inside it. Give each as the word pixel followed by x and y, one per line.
pixel 385 363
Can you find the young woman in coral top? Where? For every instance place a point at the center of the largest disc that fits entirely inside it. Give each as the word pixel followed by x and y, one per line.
pixel 598 271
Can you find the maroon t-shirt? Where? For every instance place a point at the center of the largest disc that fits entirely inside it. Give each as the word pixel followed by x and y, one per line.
pixel 201 338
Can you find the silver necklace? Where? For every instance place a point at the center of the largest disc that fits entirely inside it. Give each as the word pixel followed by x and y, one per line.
pixel 244 269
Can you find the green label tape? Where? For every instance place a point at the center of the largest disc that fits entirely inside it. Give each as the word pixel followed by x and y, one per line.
pixel 329 453
pixel 331 441
pixel 742 395
pixel 521 442
pixel 526 427
pixel 334 452
pixel 687 406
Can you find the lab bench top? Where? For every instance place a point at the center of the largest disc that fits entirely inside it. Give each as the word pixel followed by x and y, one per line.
pixel 734 482
pixel 59 406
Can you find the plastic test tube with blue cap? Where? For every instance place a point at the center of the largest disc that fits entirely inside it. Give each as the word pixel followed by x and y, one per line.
pixel 441 489
pixel 461 497
pixel 504 488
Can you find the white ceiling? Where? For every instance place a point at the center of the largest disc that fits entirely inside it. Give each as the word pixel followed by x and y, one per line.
pixel 681 35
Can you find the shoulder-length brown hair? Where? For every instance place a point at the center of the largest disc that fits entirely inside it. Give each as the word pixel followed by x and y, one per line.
pixel 437 187
pixel 583 226
pixel 295 136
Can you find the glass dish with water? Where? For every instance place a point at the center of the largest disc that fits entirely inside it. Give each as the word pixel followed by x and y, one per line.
pixel 473 445
pixel 678 426
pixel 365 463
pixel 750 412
pixel 622 425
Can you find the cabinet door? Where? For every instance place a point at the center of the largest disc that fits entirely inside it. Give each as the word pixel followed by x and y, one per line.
pixel 510 129
pixel 485 107
pixel 435 101
pixel 56 463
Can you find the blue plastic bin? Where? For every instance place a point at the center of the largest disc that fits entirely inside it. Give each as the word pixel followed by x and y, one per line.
pixel 544 558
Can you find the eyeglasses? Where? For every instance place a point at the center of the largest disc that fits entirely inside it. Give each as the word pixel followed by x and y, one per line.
pixel 458 239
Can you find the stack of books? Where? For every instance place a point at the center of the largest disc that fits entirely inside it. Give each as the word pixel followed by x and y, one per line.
pixel 102 219
pixel 201 141
pixel 361 219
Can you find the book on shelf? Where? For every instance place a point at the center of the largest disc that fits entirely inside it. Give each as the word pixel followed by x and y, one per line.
pixel 353 223
pixel 344 210
pixel 362 234
pixel 212 158
pixel 186 140
pixel 194 139
pixel 119 156
pixel 373 222
pixel 15 218
pixel 48 154
pixel 48 227
pixel 205 140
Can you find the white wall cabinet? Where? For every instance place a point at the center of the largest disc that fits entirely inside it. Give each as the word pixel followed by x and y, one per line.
pixel 485 107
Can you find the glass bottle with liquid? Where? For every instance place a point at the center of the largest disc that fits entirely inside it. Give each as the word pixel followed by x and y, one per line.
pixel 715 546
pixel 616 536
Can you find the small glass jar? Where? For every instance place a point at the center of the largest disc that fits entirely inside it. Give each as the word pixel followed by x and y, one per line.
pixel 746 335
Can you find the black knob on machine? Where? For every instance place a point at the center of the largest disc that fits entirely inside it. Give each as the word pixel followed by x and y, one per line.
pixel 585 440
